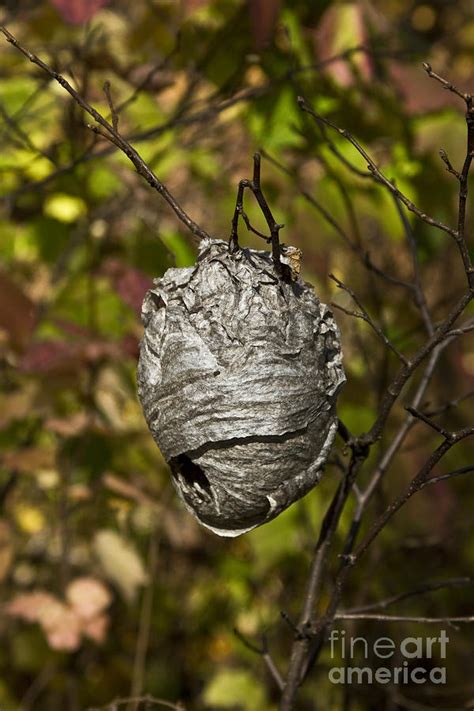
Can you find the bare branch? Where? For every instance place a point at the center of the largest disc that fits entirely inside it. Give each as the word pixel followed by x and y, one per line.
pixel 262 650
pixel 254 186
pixel 375 172
pixel 417 287
pixel 467 98
pixel 450 475
pixel 362 314
pixel 113 110
pixel 304 650
pixel 419 482
pixel 357 250
pixel 450 404
pixel 421 590
pixel 445 158
pixel 394 389
pixel 111 134
pixel 428 421
pixel 403 618
pixel 463 176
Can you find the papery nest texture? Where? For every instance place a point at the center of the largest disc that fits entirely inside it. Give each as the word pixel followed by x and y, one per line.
pixel 238 376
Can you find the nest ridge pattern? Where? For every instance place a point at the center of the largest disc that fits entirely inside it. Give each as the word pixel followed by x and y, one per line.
pixel 238 377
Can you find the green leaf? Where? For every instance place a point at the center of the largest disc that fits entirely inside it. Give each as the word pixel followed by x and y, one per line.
pixel 65 208
pixel 183 252
pixel 234 688
pixel 14 92
pixel 272 121
pixel 275 540
pixel 103 182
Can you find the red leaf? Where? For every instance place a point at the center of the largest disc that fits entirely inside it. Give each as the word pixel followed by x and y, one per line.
pixel 88 597
pixel 263 17
pixel 96 628
pixel 66 357
pixel 78 11
pixel 63 623
pixel 343 27
pixel 130 346
pixel 48 356
pixel 17 315
pixel 190 6
pixel 419 94
pixel 130 284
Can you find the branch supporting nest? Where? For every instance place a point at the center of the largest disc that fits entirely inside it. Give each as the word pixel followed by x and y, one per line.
pixel 254 186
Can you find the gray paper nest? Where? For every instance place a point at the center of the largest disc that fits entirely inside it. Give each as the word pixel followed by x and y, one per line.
pixel 238 377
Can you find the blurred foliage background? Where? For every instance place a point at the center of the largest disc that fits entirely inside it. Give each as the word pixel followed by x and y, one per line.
pixel 109 588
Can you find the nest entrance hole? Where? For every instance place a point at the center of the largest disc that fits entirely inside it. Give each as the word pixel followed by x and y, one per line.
pixel 190 472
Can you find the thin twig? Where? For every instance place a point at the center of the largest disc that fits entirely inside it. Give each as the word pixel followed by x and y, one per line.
pixel 113 111
pixel 147 700
pixel 143 637
pixel 375 172
pixel 111 134
pixel 441 409
pixel 428 421
pixel 363 314
pixel 449 167
pixel 463 176
pixel 418 291
pixel 304 651
pixel 419 482
pixel 421 590
pixel 357 250
pixel 402 618
pixel 263 651
pixel 254 186
pixel 447 84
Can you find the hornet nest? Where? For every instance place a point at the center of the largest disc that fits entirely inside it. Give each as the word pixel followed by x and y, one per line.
pixel 239 371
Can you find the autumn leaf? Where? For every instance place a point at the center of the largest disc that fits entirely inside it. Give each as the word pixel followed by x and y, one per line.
pixel 62 627
pixel 66 356
pixel 60 624
pixel 29 605
pixel 130 283
pixel 64 623
pixel 88 597
pixel 17 312
pixel 6 549
pixel 120 562
pixel 96 628
pixel 48 356
pixel 263 17
pixel 78 11
pixel 341 28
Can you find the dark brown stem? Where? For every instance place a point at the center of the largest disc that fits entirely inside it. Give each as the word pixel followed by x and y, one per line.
pixel 463 176
pixel 404 618
pixel 312 631
pixel 254 186
pixel 302 644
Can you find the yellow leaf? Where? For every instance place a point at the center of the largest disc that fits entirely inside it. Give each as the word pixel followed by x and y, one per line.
pixel 65 208
pixel 29 518
pixel 120 562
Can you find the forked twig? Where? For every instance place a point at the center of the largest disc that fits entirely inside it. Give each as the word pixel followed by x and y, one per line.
pixel 254 186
